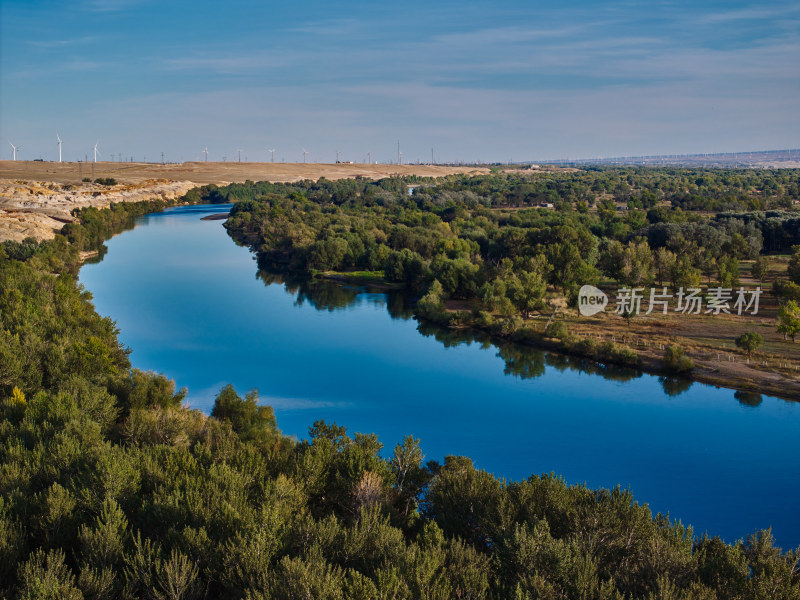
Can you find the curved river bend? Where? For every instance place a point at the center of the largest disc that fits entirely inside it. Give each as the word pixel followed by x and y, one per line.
pixel 188 302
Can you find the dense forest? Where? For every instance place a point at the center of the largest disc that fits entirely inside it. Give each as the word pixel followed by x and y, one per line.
pixel 504 247
pixel 111 488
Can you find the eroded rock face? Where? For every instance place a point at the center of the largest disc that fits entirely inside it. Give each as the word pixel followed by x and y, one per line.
pixel 39 209
pixel 36 198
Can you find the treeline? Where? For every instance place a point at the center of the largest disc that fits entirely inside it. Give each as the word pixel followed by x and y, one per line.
pixel 644 188
pixel 637 188
pixel 110 488
pixel 447 234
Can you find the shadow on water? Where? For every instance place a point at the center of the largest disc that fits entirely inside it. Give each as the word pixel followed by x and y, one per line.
pixel 675 386
pixel 751 399
pixel 328 295
pixel 525 362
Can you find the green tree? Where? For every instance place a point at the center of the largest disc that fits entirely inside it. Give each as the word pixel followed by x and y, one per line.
pixel 328 254
pixel 17 398
pixel 150 390
pixel 663 264
pixel 728 271
pixel 749 342
pixel 793 269
pixel 789 319
pixel 46 577
pixel 527 291
pixel 431 305
pixel 684 274
pixel 459 277
pixel 760 268
pixel 629 315
pixel 248 419
pixel 637 264
pixel 566 261
pixel 494 295
pixel 676 361
pixel 405 266
pixel 410 476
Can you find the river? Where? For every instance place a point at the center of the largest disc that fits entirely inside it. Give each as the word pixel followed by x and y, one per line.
pixel 190 304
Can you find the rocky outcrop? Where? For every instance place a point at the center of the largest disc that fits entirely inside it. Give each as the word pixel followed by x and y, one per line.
pixel 39 209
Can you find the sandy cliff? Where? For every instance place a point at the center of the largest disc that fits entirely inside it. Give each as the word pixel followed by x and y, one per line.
pixel 37 198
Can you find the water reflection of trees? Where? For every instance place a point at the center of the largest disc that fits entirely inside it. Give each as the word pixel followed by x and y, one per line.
pixel 521 361
pixel 563 362
pixel 325 294
pixel 675 386
pixel 751 399
pixel 525 362
pixel 450 338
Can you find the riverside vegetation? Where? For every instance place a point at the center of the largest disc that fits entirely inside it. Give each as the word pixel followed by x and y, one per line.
pixel 111 488
pixel 492 251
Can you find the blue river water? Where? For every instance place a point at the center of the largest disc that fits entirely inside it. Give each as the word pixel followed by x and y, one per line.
pixel 190 304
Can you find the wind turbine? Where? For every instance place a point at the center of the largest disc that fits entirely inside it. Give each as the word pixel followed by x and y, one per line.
pixel 272 151
pixel 305 152
pixel 205 151
pixel 369 157
pixel 59 147
pixel 15 148
pixel 337 157
pixel 96 151
pixel 240 154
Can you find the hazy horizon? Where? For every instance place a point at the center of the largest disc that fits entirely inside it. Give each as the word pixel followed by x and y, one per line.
pixel 475 82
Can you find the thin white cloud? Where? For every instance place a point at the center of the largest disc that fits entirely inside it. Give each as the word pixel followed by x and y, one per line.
pixel 63 43
pixel 78 64
pixel 204 399
pixel 111 5
pixel 331 27
pixel 749 14
pixel 229 63
pixel 507 35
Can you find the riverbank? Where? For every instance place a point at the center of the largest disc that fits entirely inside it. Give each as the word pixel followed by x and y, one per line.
pixel 707 341
pixel 609 339
pixel 215 217
pixel 374 279
pixel 39 209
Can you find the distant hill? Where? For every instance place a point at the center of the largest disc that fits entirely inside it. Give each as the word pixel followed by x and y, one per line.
pixel 769 159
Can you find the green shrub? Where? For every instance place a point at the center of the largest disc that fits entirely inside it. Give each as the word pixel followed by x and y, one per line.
pixel 587 347
pixel 675 361
pixel 556 329
pixel 749 342
pixel 787 290
pixel 248 419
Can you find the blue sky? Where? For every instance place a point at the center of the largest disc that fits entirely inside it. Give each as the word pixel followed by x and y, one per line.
pixel 475 81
